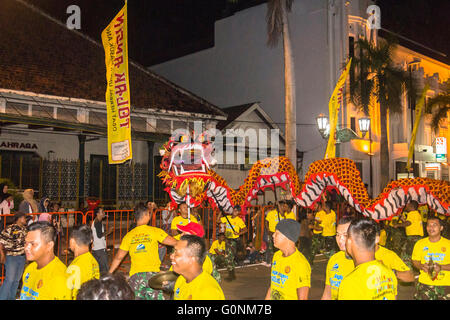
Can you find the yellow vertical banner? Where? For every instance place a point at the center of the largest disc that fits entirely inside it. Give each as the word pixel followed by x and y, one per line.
pixel 115 44
pixel 419 113
pixel 333 108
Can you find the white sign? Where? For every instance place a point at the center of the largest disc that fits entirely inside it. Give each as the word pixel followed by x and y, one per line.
pixel 432 166
pixel 441 145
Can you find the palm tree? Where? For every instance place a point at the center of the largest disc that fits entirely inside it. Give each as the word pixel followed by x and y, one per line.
pixel 278 25
pixel 377 75
pixel 442 102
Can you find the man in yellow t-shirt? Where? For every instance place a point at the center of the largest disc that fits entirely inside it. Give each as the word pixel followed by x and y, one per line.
pixel 339 265
pixel 291 272
pixel 84 267
pixel 218 249
pixel 209 265
pixel 234 228
pixel 182 219
pixel 283 211
pixel 413 229
pixel 193 283
pixel 142 245
pixel 371 279
pixel 327 226
pixel 391 260
pixel 44 278
pixel 317 240
pixel 431 256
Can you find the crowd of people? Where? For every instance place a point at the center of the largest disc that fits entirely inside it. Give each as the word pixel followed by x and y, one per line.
pixel 366 259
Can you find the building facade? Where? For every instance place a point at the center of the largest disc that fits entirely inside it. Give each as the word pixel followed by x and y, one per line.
pixel 53 115
pixel 241 67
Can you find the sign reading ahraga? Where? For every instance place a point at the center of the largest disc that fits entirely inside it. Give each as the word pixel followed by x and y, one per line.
pixel 114 39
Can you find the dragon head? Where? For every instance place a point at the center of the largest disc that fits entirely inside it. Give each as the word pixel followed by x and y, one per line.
pixel 186 167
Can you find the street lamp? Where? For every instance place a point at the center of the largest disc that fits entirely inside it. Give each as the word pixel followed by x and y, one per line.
pixel 323 125
pixel 364 125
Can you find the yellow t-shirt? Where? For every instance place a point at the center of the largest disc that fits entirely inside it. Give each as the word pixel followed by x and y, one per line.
pixel 179 220
pixel 439 252
pixel 216 245
pixel 390 259
pixel 288 274
pixel 383 237
pixel 423 212
pixel 83 268
pixel 203 287
pixel 328 224
pixel 338 267
pixel 273 218
pixel 415 229
pixel 142 245
pixel 318 217
pixel 237 224
pixel 369 281
pixel 393 220
pixel 47 283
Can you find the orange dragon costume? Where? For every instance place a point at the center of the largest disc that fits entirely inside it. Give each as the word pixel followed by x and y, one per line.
pixel 188 162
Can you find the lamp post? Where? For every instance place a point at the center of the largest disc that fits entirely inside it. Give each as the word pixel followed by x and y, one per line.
pixel 364 126
pixel 323 125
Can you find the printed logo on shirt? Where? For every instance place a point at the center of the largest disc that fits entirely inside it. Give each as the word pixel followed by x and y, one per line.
pixel 40 283
pixel 425 249
pixel 287 269
pixel 335 267
pixel 27 276
pixel 443 249
pixel 140 248
pixel 177 292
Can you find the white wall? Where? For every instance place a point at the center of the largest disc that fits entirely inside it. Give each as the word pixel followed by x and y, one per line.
pixel 66 146
pixel 241 68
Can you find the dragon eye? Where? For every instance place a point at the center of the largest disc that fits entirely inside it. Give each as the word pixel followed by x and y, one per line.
pixel 203 138
pixel 184 138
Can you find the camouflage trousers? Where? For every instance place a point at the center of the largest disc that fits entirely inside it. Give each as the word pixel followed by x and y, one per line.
pixel 219 260
pixel 139 283
pixel 230 254
pixel 215 273
pixel 317 245
pixel 408 248
pixel 329 245
pixel 269 249
pixel 395 240
pixel 426 292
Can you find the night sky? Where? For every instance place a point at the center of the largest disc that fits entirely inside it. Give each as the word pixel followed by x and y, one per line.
pixel 165 29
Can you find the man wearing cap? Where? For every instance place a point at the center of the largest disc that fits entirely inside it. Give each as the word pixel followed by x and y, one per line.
pixel 196 229
pixel 12 240
pixel 234 227
pixel 272 219
pixel 291 272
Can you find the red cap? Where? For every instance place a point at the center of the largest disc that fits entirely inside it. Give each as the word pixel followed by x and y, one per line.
pixel 193 228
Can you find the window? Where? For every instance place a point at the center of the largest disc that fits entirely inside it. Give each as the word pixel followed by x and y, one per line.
pixel 22 168
pixel 17 108
pixel 102 178
pixel 97 118
pixel 139 124
pixel 67 114
pixel 42 111
pixel 353 123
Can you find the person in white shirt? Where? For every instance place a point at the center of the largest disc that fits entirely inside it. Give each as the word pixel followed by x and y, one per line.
pixel 99 243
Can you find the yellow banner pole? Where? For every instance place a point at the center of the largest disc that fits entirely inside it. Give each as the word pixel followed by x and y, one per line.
pixel 419 113
pixel 333 108
pixel 115 44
